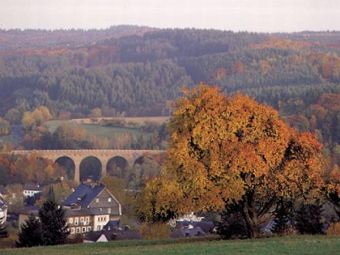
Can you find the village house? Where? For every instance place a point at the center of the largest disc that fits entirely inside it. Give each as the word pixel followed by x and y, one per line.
pixel 30 190
pixel 93 205
pixel 89 208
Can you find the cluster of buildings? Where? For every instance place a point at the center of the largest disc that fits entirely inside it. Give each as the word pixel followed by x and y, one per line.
pixel 94 213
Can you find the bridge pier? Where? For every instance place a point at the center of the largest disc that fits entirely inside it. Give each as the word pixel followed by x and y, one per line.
pixel 104 162
pixel 76 170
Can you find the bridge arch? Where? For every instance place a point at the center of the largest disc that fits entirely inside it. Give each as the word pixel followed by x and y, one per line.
pixel 68 164
pixel 117 166
pixel 90 167
pixel 104 156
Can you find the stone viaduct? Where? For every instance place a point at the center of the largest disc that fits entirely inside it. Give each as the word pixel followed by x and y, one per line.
pixel 104 156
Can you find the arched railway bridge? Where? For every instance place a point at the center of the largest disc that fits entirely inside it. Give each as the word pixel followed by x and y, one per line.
pixel 104 156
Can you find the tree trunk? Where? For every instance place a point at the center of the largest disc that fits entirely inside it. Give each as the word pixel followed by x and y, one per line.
pixel 250 216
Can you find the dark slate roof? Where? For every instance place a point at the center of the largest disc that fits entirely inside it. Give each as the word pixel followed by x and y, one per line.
pixel 94 235
pixel 111 225
pixel 206 226
pixel 84 195
pixel 113 235
pixel 82 212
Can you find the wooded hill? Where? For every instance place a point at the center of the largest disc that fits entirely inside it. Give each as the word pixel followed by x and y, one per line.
pixel 139 70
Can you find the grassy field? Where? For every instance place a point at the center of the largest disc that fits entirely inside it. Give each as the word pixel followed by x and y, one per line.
pixel 137 120
pixel 311 245
pixel 96 129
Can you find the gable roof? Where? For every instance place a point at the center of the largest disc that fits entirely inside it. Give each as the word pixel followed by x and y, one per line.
pixel 84 194
pixel 95 235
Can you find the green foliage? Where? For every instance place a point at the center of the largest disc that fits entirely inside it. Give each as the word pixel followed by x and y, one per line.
pixel 140 74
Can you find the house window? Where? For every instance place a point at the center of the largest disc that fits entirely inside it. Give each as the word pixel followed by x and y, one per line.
pixel 98 227
pixel 70 220
pixel 88 229
pixel 109 199
pixel 72 230
pixel 81 219
pixel 77 230
pixel 109 210
pixel 84 229
pixel 76 221
pixel 97 200
pixel 87 220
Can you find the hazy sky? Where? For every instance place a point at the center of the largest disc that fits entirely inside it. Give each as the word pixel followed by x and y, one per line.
pixel 251 15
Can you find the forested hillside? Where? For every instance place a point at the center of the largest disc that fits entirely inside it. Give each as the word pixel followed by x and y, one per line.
pixel 139 71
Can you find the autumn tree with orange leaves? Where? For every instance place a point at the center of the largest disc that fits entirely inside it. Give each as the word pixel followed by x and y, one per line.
pixel 230 150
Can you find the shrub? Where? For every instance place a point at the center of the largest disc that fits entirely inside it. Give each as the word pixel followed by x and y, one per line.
pixel 232 225
pixel 155 231
pixel 78 238
pixel 308 219
pixel 334 229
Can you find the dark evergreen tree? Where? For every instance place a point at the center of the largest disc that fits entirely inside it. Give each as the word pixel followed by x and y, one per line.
pixel 308 219
pixel 53 223
pixel 30 233
pixel 51 194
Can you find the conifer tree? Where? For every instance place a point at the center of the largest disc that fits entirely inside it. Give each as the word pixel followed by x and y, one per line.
pixel 53 223
pixel 30 233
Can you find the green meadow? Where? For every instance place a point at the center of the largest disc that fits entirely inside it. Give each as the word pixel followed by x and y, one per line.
pixel 299 245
